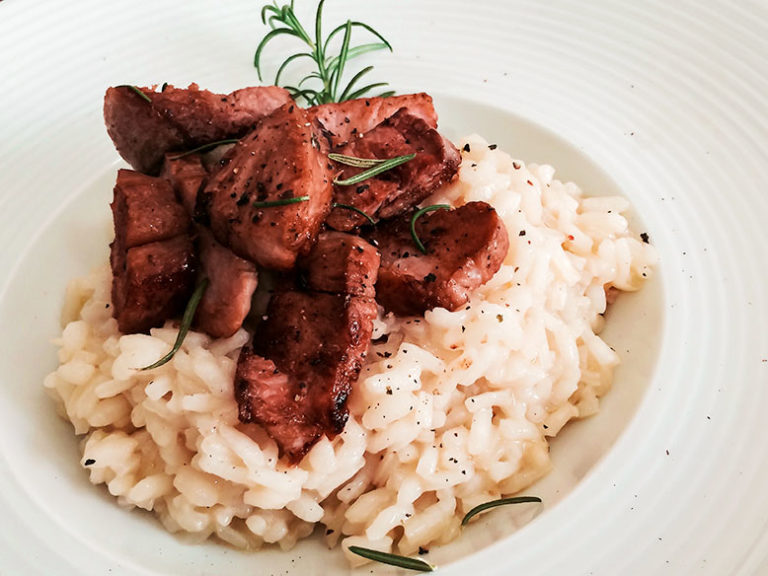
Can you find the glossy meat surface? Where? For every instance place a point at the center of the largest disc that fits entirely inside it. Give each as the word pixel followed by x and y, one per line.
pixel 342 264
pixel 305 358
pixel 345 121
pixel 231 284
pixel 465 248
pixel 179 119
pixel 154 285
pixel 397 190
pixel 145 210
pixel 187 175
pixel 279 161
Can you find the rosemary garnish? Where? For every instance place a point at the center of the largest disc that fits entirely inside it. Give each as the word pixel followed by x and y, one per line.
pixel 283 202
pixel 282 21
pixel 419 214
pixel 375 170
pixel 393 559
pixel 140 93
pixel 494 503
pixel 355 161
pixel 186 322
pixel 354 209
pixel 204 148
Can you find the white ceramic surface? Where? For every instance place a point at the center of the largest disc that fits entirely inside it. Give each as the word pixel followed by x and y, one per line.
pixel 666 98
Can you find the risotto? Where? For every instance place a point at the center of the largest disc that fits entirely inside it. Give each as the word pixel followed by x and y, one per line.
pixel 451 410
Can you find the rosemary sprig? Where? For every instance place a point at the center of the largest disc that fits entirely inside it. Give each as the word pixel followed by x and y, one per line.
pixel 186 323
pixel 140 93
pixel 375 170
pixel 282 21
pixel 367 216
pixel 283 202
pixel 419 214
pixel 204 148
pixel 494 503
pixel 393 559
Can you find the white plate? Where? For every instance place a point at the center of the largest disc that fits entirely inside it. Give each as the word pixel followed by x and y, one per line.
pixel 667 98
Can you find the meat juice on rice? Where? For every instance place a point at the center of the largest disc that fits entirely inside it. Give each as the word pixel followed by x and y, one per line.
pixel 450 410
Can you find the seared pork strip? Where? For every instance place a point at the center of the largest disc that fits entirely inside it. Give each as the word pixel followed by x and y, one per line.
pixel 267 396
pixel 395 191
pixel 278 162
pixel 342 264
pixel 465 248
pixel 155 283
pixel 347 120
pixel 187 175
pixel 181 119
pixel 145 210
pixel 306 356
pixel 231 284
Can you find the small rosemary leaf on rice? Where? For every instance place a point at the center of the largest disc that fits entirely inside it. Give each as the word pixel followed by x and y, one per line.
pixel 495 503
pixel 393 559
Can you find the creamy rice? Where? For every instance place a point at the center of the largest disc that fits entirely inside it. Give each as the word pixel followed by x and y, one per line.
pixel 451 410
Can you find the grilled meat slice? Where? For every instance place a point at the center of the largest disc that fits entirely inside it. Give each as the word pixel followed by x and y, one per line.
pixel 267 396
pixel 231 284
pixel 465 248
pixel 347 120
pixel 306 356
pixel 395 191
pixel 342 264
pixel 181 119
pixel 152 283
pixel 278 161
pixel 187 175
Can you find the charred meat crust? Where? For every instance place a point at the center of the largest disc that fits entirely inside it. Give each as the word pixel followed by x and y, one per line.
pixel 305 358
pixel 152 256
pixel 310 348
pixel 181 119
pixel 465 248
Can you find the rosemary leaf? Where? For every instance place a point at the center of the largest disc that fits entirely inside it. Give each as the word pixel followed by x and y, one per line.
pixel 393 559
pixel 354 209
pixel 418 215
pixel 355 161
pixel 140 92
pixel 283 202
pixel 285 64
pixel 186 322
pixel 272 34
pixel 204 148
pixel 376 170
pixel 336 75
pixel 341 27
pixel 359 93
pixel 355 78
pixel 494 503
